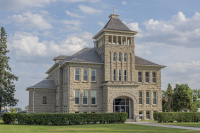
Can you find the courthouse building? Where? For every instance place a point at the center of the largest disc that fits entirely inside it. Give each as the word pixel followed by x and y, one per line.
pixel 106 78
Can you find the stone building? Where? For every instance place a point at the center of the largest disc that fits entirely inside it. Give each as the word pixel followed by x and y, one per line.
pixel 106 78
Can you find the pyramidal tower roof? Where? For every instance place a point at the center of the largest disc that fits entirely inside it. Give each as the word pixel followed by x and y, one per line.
pixel 115 24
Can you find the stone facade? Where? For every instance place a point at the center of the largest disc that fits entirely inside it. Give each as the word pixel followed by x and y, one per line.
pixel 123 82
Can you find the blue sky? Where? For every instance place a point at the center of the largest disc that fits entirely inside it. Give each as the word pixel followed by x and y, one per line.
pixel 38 30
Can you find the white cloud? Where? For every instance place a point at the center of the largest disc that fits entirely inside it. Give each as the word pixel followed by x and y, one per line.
pixel 88 10
pixel 102 24
pixel 24 44
pixel 72 24
pixel 124 2
pixel 73 14
pixel 30 21
pixel 179 30
pixel 90 1
pixel 13 5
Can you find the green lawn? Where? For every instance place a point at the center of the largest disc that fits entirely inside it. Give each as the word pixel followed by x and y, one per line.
pixel 93 128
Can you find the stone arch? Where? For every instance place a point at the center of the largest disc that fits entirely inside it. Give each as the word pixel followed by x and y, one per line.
pixel 133 98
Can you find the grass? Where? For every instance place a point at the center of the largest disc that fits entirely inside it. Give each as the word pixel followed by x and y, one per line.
pixel 93 128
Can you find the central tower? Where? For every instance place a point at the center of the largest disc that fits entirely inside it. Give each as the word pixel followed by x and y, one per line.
pixel 115 46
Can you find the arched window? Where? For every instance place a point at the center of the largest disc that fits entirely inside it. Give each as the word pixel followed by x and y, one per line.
pixel 114 56
pixel 125 57
pixel 120 56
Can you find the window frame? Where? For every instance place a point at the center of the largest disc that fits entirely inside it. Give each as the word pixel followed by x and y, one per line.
pixel 44 100
pixel 76 97
pixel 140 77
pixel 154 78
pixel 85 97
pixel 146 78
pixel 120 57
pixel 77 74
pixel 140 97
pixel 114 56
pixel 155 98
pixel 125 75
pixel 94 97
pixel 120 75
pixel 125 57
pixel 114 75
pixel 148 97
pixel 85 75
pixel 93 75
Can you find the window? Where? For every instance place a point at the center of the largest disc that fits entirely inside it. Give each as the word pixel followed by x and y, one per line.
pixel 119 40
pixel 77 74
pixel 77 95
pixel 154 98
pixel 147 77
pixel 128 41
pixel 85 75
pixel 93 75
pixel 44 101
pixel 140 115
pixel 147 114
pixel 139 76
pixel 125 75
pixel 125 57
pixel 140 97
pixel 93 97
pixel 114 75
pixel 114 40
pixel 120 56
pixel 124 40
pixel 147 98
pixel 114 56
pixel 120 75
pixel 110 39
pixel 154 77
pixel 85 97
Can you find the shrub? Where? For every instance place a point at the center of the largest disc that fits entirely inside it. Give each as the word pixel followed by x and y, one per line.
pixel 64 118
pixel 176 116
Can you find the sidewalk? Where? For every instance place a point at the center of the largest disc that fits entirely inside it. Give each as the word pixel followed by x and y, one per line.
pixel 162 125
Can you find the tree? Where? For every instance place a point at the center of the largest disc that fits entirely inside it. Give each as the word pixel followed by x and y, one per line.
pixel 167 99
pixel 184 99
pixel 7 87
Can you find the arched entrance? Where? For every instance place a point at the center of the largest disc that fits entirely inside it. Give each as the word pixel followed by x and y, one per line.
pixel 123 104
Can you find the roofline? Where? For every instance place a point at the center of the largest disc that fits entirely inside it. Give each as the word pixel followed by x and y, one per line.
pixel 151 66
pixel 51 68
pixel 29 88
pixel 103 30
pixel 81 63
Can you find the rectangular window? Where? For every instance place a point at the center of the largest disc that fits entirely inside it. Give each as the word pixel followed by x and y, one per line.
pixel 110 39
pixel 120 56
pixel 124 40
pixel 93 97
pixel 140 115
pixel 125 76
pixel 147 98
pixel 125 57
pixel 85 75
pixel 93 75
pixel 128 41
pixel 77 95
pixel 140 97
pixel 114 75
pixel 119 40
pixel 147 77
pixel 114 56
pixel 139 76
pixel 114 39
pixel 85 97
pixel 120 75
pixel 44 101
pixel 147 114
pixel 154 77
pixel 154 98
pixel 77 74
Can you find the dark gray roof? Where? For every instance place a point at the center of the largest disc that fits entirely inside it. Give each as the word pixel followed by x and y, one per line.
pixel 60 57
pixel 86 55
pixel 142 62
pixel 46 84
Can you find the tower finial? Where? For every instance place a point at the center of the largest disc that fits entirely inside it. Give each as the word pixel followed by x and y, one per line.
pixel 113 10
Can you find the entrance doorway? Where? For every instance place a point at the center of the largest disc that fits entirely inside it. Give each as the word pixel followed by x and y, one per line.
pixel 123 104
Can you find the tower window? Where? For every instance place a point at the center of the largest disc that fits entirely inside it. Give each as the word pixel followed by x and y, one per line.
pixel 124 40
pixel 120 56
pixel 125 77
pixel 110 40
pixel 125 57
pixel 114 40
pixel 128 41
pixel 119 40
pixel 120 75
pixel 114 75
pixel 147 77
pixel 114 56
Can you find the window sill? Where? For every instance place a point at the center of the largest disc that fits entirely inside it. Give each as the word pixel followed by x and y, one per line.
pixel 85 81
pixel 93 105
pixel 93 81
pixel 85 105
pixel 77 105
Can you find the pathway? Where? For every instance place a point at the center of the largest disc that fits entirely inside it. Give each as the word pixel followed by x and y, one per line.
pixel 162 125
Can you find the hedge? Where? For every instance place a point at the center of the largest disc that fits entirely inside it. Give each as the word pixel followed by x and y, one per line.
pixel 166 117
pixel 64 118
